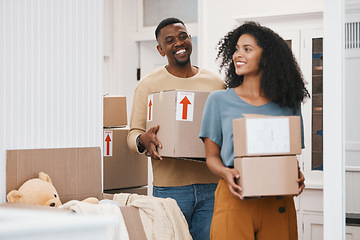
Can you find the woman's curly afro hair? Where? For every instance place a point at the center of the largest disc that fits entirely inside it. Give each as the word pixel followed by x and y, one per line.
pixel 282 80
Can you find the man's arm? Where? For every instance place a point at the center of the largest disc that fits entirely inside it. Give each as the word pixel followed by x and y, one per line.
pixel 137 118
pixel 138 137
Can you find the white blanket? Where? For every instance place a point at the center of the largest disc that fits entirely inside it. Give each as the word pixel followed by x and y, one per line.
pixel 118 232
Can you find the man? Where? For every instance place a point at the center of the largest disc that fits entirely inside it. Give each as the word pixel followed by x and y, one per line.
pixel 190 183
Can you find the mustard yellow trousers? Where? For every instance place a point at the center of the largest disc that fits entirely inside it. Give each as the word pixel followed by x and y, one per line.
pixel 268 218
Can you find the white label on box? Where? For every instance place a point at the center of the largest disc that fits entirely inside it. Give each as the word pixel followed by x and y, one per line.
pixel 268 135
pixel 150 107
pixel 185 106
pixel 108 143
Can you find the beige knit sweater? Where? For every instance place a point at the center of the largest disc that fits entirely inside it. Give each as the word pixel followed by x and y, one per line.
pixel 161 218
pixel 171 172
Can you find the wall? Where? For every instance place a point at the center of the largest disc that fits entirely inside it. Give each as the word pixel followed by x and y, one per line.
pixel 121 51
pixel 217 18
pixel 351 113
pixel 51 75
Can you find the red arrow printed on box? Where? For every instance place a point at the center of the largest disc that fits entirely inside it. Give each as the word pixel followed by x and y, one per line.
pixel 108 140
pixel 150 104
pixel 185 102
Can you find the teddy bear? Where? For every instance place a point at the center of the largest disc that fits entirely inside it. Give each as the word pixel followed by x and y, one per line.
pixel 39 191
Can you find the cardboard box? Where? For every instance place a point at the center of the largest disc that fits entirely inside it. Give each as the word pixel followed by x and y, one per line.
pixel 75 172
pixel 137 190
pixel 123 168
pixel 179 114
pixel 115 111
pixel 267 136
pixel 267 176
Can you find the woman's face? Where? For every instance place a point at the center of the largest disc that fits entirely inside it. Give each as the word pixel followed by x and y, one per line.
pixel 247 56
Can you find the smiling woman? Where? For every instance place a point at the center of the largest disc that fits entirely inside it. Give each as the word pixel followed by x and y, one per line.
pixel 263 78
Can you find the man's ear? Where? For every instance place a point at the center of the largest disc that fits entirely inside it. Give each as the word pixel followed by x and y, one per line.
pixel 160 50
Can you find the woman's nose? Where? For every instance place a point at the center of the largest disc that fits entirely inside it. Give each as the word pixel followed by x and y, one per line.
pixel 237 54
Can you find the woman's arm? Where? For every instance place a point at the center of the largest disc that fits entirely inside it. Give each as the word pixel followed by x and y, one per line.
pixel 216 166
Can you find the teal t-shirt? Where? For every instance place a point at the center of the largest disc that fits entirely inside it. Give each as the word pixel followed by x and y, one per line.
pixel 222 107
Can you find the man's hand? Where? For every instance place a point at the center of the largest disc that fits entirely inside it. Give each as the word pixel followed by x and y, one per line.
pixel 150 142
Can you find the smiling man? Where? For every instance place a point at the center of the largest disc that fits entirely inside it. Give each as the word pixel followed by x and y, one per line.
pixel 190 183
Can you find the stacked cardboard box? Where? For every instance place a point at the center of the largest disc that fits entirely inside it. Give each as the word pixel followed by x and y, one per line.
pixel 265 150
pixel 178 113
pixel 123 170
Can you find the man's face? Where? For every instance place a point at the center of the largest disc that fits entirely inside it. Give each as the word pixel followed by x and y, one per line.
pixel 175 44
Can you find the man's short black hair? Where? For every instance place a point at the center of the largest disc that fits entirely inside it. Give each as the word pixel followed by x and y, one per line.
pixel 166 22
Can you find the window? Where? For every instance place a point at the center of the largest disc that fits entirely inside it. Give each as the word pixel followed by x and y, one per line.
pixel 317 104
pixel 157 10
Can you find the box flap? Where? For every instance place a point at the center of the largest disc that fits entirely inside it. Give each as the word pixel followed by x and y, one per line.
pixel 133 223
pixel 75 172
pixel 255 116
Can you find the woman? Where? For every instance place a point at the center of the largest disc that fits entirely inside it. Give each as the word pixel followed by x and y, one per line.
pixel 262 77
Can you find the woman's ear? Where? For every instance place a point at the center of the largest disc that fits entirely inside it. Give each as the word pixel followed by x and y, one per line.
pixel 160 50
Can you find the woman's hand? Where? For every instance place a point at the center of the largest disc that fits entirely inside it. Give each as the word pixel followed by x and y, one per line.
pixel 231 175
pixel 216 166
pixel 301 181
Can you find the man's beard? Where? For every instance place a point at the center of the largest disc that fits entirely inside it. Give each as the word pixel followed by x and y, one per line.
pixel 182 63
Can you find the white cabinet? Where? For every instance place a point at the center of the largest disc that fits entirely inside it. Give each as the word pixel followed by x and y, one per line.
pixel 312 227
pixel 352 233
pixel 310 214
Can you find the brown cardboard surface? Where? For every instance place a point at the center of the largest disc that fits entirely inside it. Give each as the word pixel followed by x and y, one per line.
pixel 138 190
pixel 241 143
pixel 179 138
pixel 115 111
pixel 124 168
pixel 75 172
pixel 133 223
pixel 267 176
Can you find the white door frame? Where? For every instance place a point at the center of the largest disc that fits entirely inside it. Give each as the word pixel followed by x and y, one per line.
pixel 333 89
